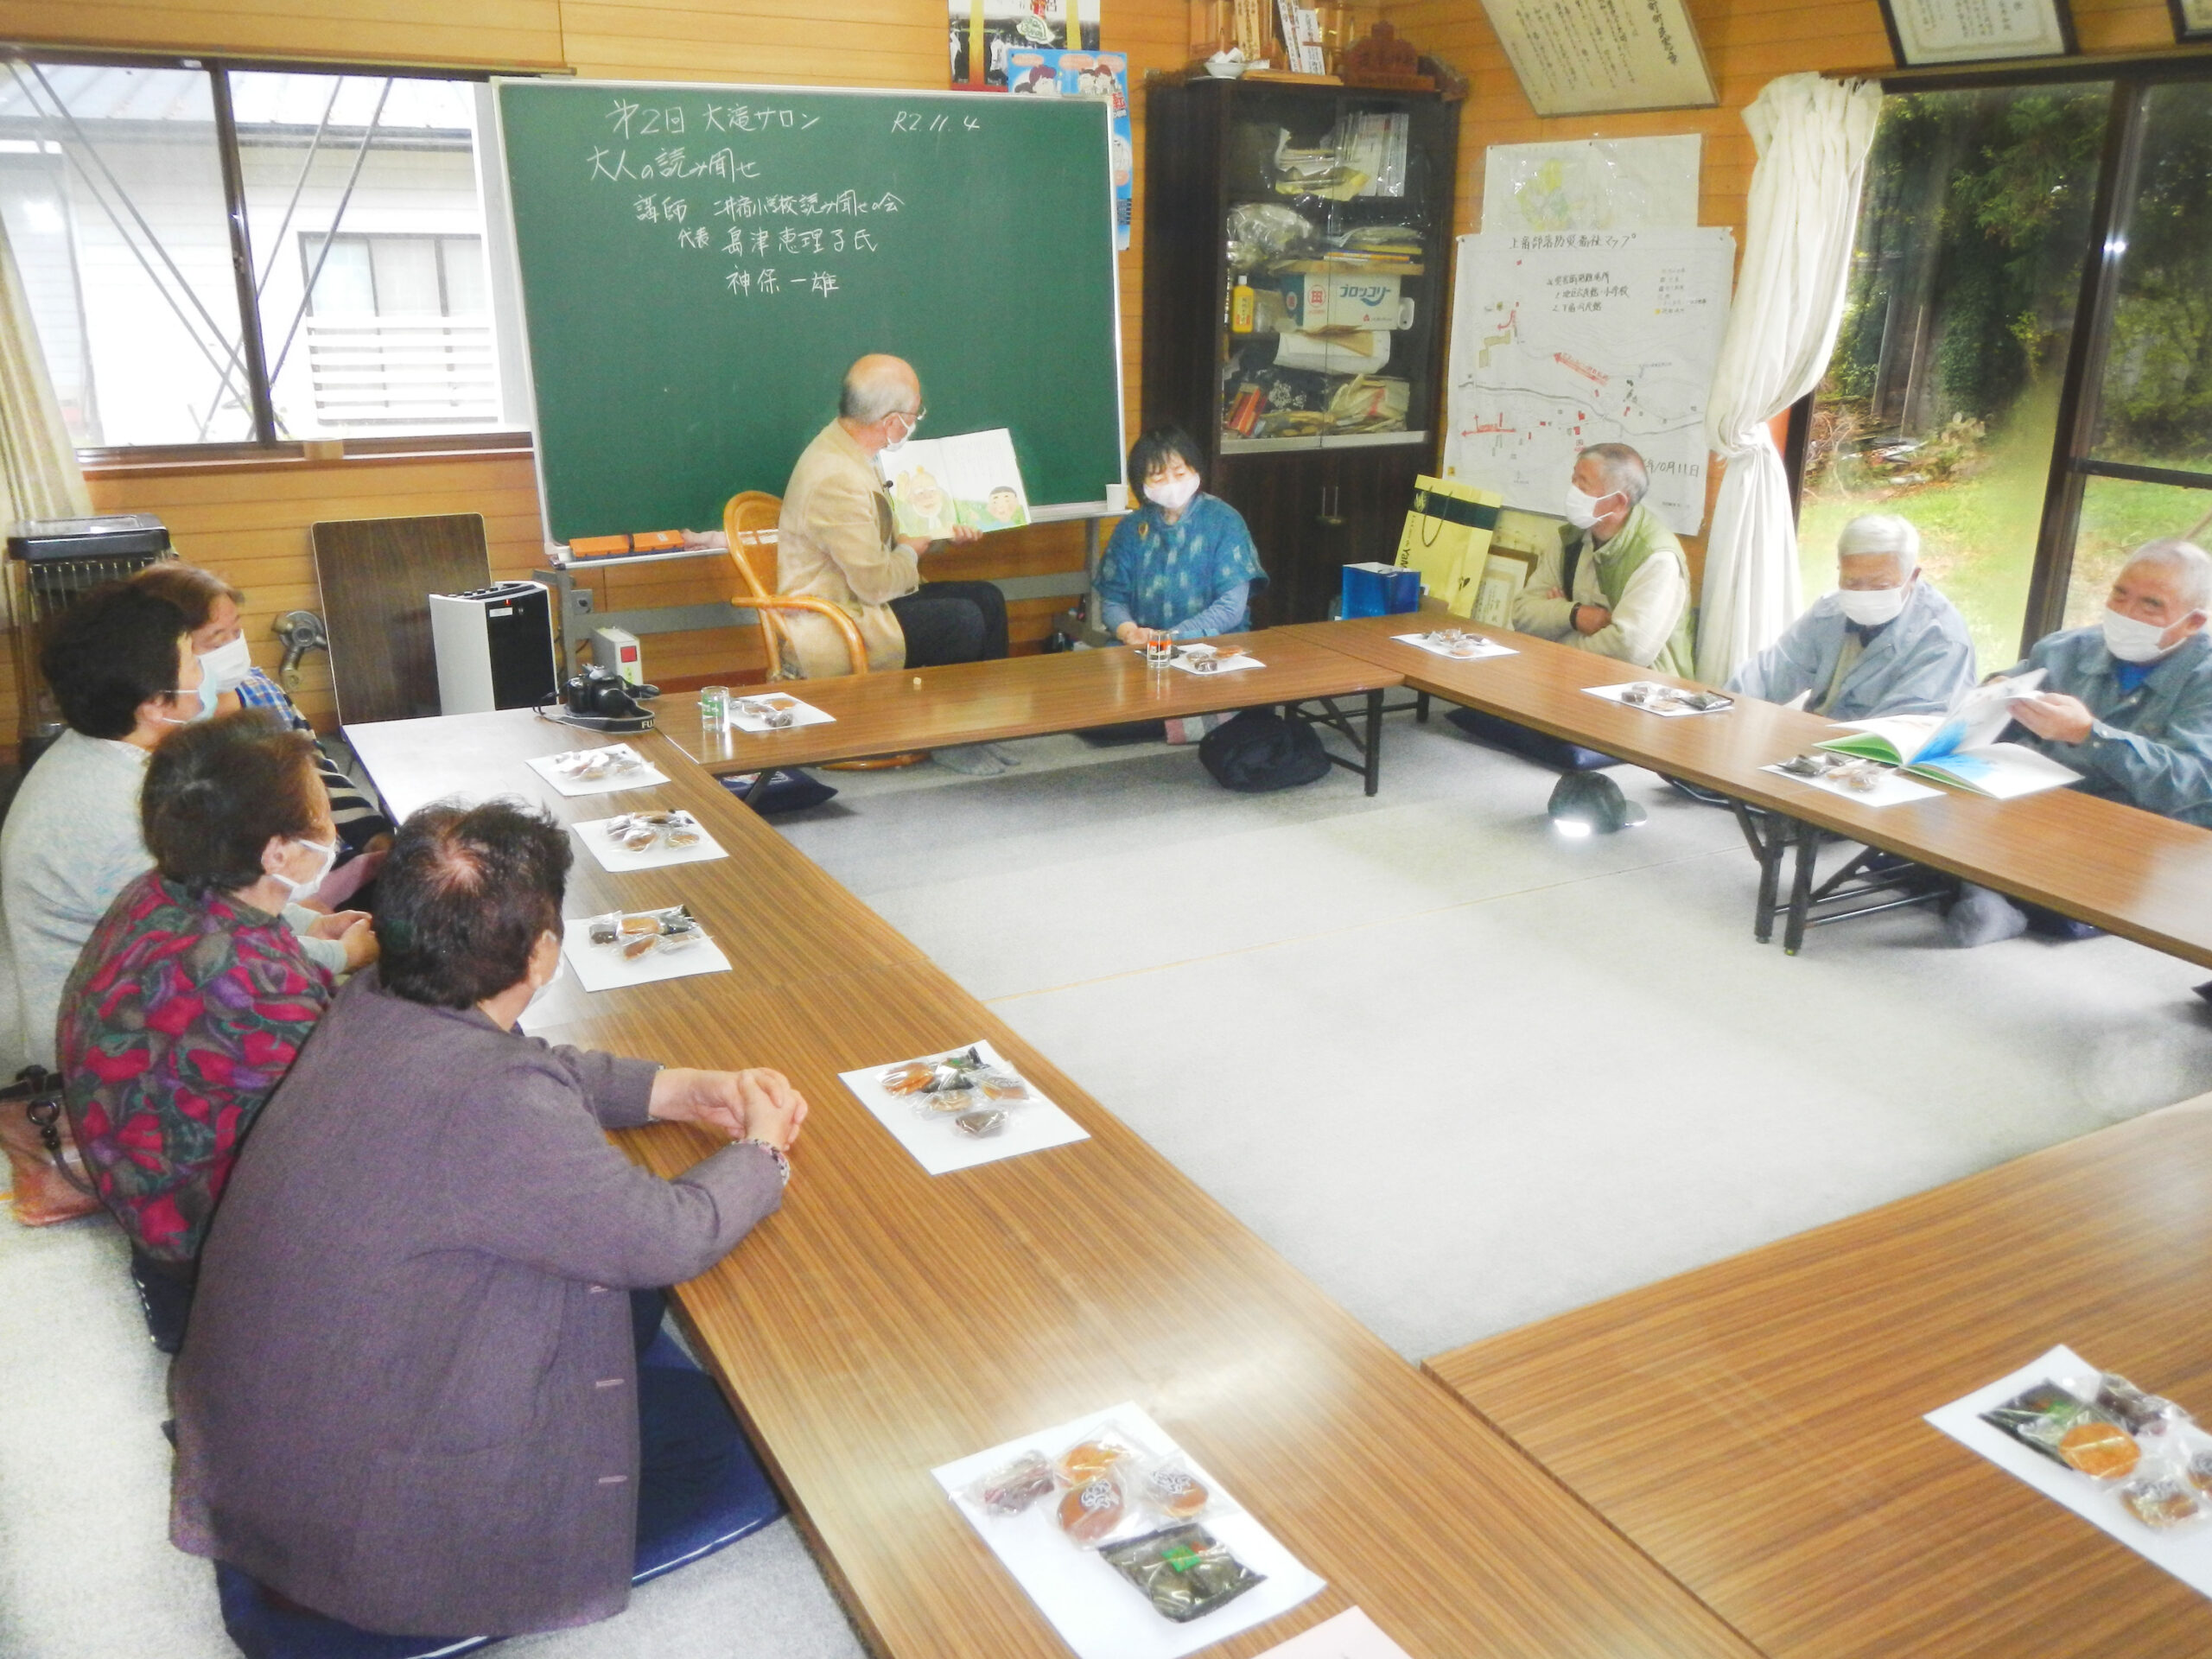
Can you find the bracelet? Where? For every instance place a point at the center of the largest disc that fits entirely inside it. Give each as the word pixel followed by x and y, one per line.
pixel 782 1164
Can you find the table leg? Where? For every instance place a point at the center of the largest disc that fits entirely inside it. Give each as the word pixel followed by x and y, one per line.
pixel 1801 889
pixel 1374 741
pixel 1767 845
pixel 1421 707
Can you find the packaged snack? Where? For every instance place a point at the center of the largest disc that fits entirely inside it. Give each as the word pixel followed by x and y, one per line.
pixel 588 765
pixel 1185 1571
pixel 605 930
pixel 2100 1450
pixel 638 836
pixel 1014 1488
pixel 2198 1471
pixel 681 835
pixel 2132 1409
pixel 2161 1501
pixel 1092 1510
pixel 996 1082
pixel 933 1074
pixel 2039 1418
pixel 980 1124
pixel 1170 1488
pixel 1087 1460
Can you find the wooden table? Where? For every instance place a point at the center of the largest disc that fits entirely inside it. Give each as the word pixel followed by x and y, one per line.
pixel 1755 1426
pixel 1031 696
pixel 2129 872
pixel 885 1321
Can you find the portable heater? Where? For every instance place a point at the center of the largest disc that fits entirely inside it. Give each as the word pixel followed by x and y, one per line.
pixel 52 562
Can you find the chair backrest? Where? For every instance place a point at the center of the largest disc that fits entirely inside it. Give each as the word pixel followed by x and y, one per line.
pixel 749 522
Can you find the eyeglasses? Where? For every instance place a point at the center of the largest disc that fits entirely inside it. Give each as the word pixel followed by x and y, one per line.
pixel 915 419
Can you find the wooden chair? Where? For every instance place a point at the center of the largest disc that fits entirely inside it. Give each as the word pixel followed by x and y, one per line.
pixel 749 520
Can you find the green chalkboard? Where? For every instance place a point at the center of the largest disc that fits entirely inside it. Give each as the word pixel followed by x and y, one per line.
pixel 971 235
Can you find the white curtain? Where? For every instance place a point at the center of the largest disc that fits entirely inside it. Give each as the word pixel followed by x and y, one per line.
pixel 1813 135
pixel 39 476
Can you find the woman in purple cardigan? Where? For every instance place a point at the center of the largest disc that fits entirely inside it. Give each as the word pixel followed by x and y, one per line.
pixel 408 1399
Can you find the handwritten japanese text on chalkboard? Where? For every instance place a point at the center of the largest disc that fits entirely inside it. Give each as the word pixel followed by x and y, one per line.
pixel 629 120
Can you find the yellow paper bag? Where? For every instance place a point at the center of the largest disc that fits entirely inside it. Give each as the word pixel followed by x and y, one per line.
pixel 1446 538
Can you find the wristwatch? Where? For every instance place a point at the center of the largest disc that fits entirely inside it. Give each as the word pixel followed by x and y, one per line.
pixel 782 1164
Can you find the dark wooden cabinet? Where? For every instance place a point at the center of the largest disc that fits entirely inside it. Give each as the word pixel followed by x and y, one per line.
pixel 1316 394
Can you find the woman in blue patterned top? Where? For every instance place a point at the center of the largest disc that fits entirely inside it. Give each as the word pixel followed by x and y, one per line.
pixel 1182 566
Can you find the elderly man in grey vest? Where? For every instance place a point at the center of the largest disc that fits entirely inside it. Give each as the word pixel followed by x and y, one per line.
pixel 1884 643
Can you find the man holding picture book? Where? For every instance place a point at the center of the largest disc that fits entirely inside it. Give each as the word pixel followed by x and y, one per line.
pixel 2127 704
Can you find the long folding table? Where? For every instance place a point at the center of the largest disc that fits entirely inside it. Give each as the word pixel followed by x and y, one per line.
pixel 887 1321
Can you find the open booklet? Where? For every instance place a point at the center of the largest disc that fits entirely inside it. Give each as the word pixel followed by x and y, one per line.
pixel 1959 745
pixel 938 483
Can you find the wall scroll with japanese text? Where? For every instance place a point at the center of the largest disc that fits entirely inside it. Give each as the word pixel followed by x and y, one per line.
pixel 1587 57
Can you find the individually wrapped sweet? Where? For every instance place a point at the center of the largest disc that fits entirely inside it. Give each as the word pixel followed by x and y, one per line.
pixel 1185 1571
pixel 2040 1417
pixel 998 1082
pixel 1014 1487
pixel 684 836
pixel 979 1125
pixel 604 929
pixel 2099 1448
pixel 641 944
pixel 932 1073
pixel 638 836
pixel 1090 1513
pixel 1172 1490
pixel 2134 1410
pixel 2161 1501
pixel 1095 1455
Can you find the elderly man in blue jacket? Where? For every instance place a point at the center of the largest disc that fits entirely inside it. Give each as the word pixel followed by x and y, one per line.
pixel 2126 702
pixel 1884 643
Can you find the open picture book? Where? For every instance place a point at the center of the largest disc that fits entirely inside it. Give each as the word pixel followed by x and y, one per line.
pixel 938 483
pixel 1959 747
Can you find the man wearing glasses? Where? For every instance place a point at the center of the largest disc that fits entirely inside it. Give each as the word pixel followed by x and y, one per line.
pixel 837 540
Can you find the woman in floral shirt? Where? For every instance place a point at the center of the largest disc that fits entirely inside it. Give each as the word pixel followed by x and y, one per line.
pixel 193 995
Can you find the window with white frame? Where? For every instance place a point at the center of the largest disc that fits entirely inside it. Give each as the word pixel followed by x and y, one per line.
pixel 219 255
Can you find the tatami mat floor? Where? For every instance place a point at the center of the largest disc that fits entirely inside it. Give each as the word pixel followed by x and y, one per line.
pixel 1462 1072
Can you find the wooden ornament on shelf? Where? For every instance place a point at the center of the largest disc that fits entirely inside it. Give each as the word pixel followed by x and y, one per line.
pixel 1385 62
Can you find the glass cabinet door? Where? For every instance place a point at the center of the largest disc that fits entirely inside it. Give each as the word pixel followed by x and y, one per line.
pixel 1333 281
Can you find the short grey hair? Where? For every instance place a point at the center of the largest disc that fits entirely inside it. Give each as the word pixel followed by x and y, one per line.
pixel 1624 469
pixel 1871 533
pixel 2188 563
pixel 874 390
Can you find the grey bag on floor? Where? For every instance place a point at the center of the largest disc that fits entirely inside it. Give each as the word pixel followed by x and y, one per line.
pixel 1259 750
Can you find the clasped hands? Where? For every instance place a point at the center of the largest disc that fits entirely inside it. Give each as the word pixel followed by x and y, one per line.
pixel 755 1105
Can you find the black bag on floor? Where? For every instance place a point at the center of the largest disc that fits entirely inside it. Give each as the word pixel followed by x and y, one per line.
pixel 1259 750
pixel 789 790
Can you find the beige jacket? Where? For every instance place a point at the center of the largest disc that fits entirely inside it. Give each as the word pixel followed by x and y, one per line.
pixel 836 542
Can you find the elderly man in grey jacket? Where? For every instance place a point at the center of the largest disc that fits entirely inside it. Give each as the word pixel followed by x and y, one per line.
pixel 408 1399
pixel 1884 643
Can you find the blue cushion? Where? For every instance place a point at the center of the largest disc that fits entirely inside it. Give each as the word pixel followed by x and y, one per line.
pixel 714 1494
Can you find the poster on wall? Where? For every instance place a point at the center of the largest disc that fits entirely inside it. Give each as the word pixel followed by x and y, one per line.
pixel 1590 57
pixel 1975 31
pixel 1593 184
pixel 1562 341
pixel 1103 75
pixel 985 32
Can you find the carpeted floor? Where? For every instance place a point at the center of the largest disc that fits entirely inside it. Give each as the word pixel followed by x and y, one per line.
pixel 1461 1072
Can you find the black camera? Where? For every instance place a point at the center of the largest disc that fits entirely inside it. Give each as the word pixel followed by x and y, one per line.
pixel 600 694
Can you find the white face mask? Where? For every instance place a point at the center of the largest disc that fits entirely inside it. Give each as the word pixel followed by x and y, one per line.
pixel 1870 606
pixel 2132 641
pixel 1173 493
pixel 304 891
pixel 226 666
pixel 1584 511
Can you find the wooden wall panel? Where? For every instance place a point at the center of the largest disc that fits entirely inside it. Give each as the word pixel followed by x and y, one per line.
pixel 1747 43
pixel 513 33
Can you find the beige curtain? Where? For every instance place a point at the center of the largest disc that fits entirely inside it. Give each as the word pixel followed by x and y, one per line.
pixel 39 476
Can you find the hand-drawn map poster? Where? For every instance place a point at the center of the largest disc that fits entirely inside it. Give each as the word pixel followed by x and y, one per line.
pixel 1973 31
pixel 1587 57
pixel 1561 342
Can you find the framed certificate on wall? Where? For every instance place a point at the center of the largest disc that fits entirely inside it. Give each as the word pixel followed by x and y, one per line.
pixel 1978 31
pixel 2192 19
